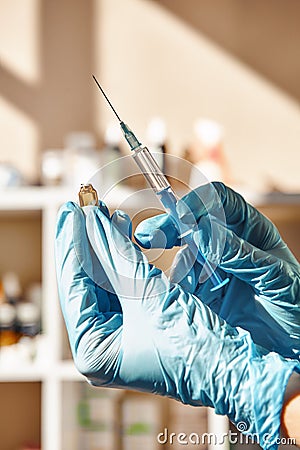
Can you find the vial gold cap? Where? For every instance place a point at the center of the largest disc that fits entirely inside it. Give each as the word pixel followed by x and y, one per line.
pixel 88 195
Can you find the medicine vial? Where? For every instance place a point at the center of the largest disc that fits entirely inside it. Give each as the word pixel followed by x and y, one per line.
pixel 87 195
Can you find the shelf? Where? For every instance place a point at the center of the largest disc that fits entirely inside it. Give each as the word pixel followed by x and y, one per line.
pixel 67 371
pixel 34 198
pixel 64 371
pixel 17 374
pixel 38 198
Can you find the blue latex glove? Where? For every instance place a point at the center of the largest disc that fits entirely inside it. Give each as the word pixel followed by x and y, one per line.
pixel 263 295
pixel 130 327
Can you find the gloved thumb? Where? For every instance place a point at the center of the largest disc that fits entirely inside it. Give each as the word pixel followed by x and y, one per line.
pixel 160 231
pixel 122 222
pixel 157 232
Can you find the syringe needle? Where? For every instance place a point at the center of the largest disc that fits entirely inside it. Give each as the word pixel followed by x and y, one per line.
pixel 128 134
pixel 107 99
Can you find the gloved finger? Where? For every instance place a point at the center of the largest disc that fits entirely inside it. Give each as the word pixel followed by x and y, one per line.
pixel 214 198
pixel 101 205
pixel 81 299
pixel 122 222
pixel 269 276
pixel 157 232
pixel 228 207
pixel 125 265
pixel 185 271
pixel 209 198
pixel 104 208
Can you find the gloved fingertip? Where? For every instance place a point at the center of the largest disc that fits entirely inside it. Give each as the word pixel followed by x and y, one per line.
pixel 64 212
pixel 143 240
pixel 188 207
pixel 143 234
pixel 104 208
pixel 221 189
pixel 95 213
pixel 69 207
pixel 122 222
pixel 156 232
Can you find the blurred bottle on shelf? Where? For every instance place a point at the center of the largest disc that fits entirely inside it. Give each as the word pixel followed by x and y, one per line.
pixel 111 165
pixel 97 417
pixel 141 421
pixel 28 319
pixel 81 159
pixel 52 167
pixel 10 176
pixel 8 331
pixel 27 310
pixel 12 287
pixel 20 321
pixel 156 136
pixel 72 165
pixel 207 154
pixel 33 293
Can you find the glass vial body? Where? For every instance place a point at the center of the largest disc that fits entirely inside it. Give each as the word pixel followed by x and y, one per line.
pixel 87 195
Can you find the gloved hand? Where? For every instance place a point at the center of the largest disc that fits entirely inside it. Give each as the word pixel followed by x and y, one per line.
pixel 263 295
pixel 130 327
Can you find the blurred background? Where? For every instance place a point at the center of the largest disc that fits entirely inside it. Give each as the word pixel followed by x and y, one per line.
pixel 212 87
pixel 233 62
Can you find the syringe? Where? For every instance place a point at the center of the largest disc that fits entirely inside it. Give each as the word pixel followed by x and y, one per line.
pixel 161 186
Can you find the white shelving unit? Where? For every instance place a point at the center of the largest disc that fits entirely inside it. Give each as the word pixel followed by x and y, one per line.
pixel 53 372
pixel 50 370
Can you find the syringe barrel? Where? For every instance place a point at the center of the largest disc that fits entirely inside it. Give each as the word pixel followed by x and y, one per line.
pixel 150 169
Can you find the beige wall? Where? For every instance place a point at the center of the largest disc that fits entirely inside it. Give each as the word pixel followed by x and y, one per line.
pixel 153 59
pixel 152 62
pixel 264 34
pixel 46 49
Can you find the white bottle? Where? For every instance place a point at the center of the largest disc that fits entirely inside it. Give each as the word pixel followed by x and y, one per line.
pixel 156 138
pixel 111 165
